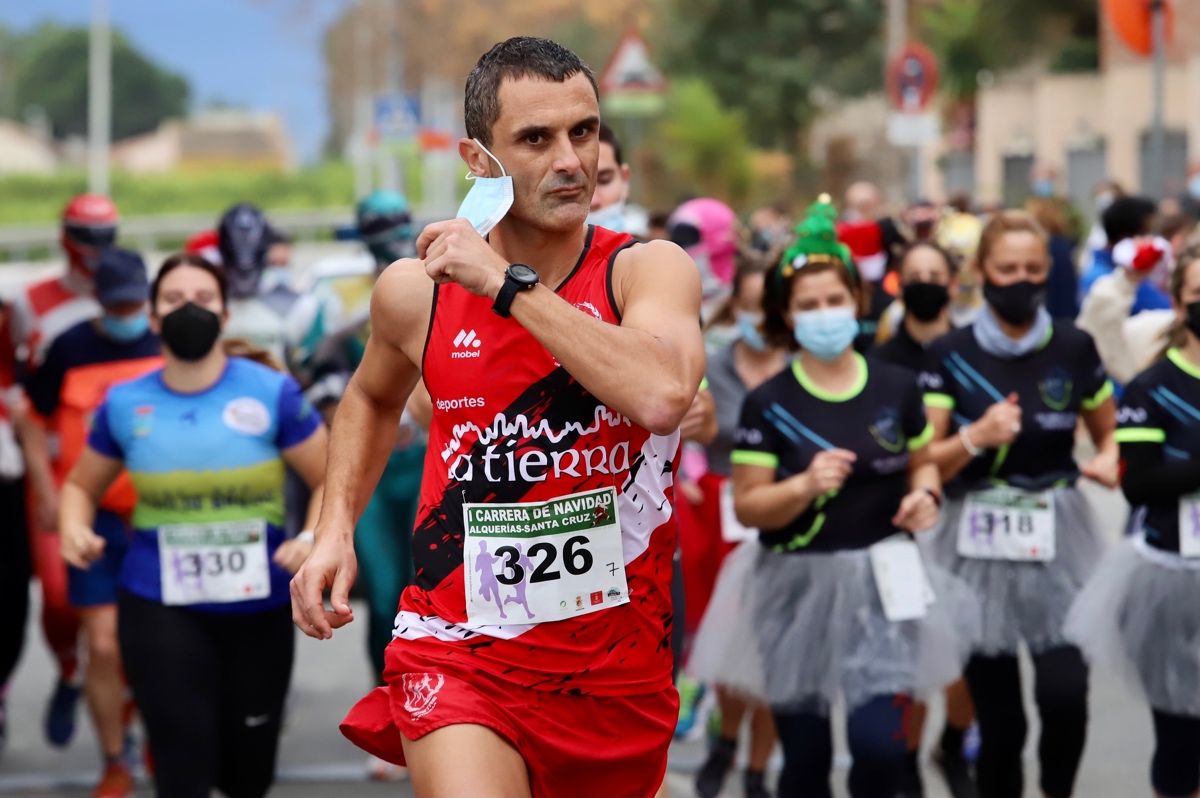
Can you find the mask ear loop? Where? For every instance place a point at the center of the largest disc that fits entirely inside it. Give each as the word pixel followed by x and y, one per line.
pixel 472 175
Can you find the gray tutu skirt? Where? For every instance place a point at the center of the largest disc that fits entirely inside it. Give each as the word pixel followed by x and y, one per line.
pixel 797 629
pixel 1024 600
pixel 1139 617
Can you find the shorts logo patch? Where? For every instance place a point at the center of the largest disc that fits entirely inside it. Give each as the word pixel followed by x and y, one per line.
pixel 420 692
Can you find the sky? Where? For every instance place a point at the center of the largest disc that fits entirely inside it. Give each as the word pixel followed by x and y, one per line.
pixel 261 54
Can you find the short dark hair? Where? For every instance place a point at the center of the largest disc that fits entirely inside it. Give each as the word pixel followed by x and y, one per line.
pixel 607 136
pixel 1127 217
pixel 196 261
pixel 515 58
pixel 950 258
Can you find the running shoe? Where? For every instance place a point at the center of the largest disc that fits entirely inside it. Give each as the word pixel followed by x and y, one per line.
pixel 61 712
pixel 117 782
pixel 754 785
pixel 711 776
pixel 957 773
pixel 691 693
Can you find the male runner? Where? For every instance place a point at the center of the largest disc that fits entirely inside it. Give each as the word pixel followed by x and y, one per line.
pixel 40 313
pixel 557 392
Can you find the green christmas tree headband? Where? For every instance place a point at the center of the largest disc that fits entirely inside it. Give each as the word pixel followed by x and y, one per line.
pixel 817 242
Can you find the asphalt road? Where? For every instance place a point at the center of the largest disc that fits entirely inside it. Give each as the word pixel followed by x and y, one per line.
pixel 316 761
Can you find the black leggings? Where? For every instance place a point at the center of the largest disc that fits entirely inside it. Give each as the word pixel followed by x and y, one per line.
pixel 1060 691
pixel 14 578
pixel 877 733
pixel 210 688
pixel 1175 769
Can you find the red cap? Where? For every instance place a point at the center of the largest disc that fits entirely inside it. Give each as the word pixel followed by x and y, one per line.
pixel 90 209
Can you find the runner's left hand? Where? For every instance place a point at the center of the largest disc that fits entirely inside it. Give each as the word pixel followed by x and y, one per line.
pixel 918 511
pixel 453 252
pixel 1103 469
pixel 291 554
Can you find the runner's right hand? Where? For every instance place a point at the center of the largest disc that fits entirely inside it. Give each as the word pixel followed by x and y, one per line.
pixel 331 565
pixel 81 546
pixel 828 471
pixel 1000 425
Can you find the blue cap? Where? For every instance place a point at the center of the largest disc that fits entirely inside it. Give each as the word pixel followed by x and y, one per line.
pixel 121 277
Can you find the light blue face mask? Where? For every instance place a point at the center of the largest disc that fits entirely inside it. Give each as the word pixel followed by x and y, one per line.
pixel 825 333
pixel 1194 187
pixel 612 217
pixel 748 329
pixel 489 198
pixel 125 328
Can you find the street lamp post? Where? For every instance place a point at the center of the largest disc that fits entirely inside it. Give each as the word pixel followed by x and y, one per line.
pixel 99 97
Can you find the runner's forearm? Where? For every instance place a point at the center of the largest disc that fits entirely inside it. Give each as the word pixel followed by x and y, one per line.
pixel 773 505
pixel 76 507
pixel 363 435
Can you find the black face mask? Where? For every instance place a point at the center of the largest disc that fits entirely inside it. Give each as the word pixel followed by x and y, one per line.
pixel 1017 303
pixel 190 332
pixel 925 301
pixel 1193 318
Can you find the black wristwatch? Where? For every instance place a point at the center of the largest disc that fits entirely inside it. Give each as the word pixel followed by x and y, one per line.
pixel 517 277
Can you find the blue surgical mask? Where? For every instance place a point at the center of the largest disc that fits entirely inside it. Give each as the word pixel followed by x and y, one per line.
pixel 489 198
pixel 125 328
pixel 825 333
pixel 1043 188
pixel 1194 186
pixel 748 329
pixel 612 217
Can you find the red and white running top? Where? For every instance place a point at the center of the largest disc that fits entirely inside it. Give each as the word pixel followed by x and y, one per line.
pixel 510 425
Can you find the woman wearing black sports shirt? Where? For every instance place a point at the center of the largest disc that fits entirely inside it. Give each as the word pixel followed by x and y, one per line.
pixel 1141 611
pixel 831 459
pixel 1016 529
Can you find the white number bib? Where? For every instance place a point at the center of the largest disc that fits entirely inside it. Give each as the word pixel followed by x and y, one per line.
pixel 214 563
pixel 732 530
pixel 543 561
pixel 1189 525
pixel 1008 524
pixel 900 578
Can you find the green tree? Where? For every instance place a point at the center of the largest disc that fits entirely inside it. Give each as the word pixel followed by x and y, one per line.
pixel 699 147
pixel 767 57
pixel 52 72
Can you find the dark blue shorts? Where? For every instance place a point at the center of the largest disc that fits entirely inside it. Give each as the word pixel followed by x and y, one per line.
pixel 97 585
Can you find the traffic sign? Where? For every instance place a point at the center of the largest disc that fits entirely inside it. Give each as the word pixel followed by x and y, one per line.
pixel 912 78
pixel 912 130
pixel 397 116
pixel 631 84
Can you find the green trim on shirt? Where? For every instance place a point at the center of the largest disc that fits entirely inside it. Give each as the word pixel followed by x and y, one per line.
pixel 854 390
pixel 1140 435
pixel 1101 395
pixel 747 457
pixel 921 440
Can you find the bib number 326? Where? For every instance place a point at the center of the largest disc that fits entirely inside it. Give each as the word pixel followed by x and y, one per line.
pixel 535 562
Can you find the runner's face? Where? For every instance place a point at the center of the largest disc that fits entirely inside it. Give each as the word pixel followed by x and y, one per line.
pixel 612 179
pixel 187 284
pixel 1017 257
pixel 817 292
pixel 547 139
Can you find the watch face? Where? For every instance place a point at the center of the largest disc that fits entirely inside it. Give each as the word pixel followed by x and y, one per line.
pixel 523 274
